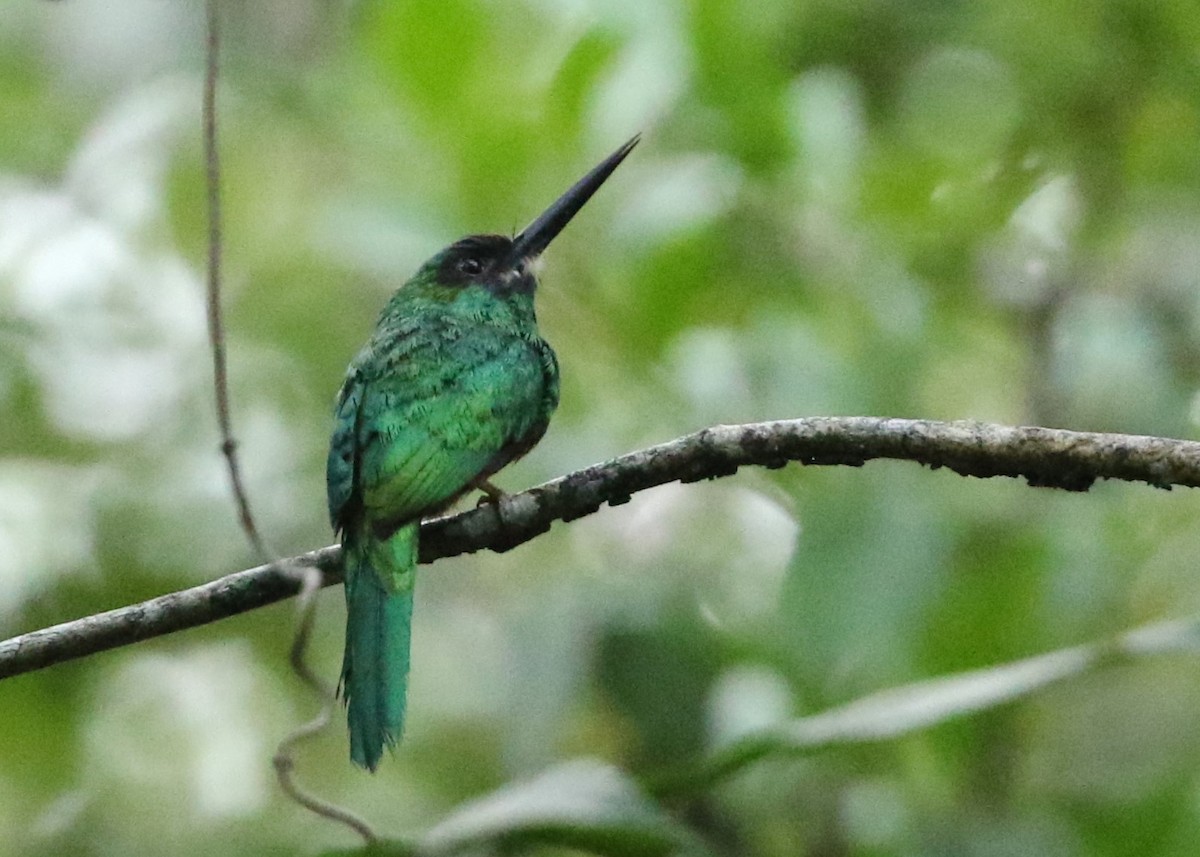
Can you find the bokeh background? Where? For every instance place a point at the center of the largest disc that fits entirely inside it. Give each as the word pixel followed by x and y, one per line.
pixel 946 210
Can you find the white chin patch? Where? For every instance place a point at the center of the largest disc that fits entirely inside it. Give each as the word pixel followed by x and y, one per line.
pixel 531 268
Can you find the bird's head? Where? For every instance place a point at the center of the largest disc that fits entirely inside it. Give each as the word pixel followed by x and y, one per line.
pixel 506 265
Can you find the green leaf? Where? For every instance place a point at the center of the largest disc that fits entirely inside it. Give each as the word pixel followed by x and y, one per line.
pixel 582 804
pixel 383 848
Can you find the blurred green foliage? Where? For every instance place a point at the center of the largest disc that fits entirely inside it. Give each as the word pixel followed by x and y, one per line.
pixel 983 210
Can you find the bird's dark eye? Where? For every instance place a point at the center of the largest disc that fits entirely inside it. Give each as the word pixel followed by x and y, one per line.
pixel 469 266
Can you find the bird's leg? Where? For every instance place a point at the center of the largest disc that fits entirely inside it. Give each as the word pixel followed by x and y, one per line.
pixel 491 494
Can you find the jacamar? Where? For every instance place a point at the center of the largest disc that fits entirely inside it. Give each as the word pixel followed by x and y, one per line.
pixel 454 383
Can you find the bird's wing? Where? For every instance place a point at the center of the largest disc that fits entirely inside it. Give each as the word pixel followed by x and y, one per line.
pixel 427 428
pixel 342 464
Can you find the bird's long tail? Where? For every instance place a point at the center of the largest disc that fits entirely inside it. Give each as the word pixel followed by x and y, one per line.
pixel 379 600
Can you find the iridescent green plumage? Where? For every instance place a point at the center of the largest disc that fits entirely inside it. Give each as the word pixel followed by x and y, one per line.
pixel 454 383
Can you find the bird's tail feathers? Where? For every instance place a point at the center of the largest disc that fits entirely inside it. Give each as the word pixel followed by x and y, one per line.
pixel 380 574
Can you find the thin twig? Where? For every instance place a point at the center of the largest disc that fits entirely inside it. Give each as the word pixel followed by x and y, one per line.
pixel 309 577
pixel 1045 457
pixel 311 581
pixel 284 761
pixel 216 325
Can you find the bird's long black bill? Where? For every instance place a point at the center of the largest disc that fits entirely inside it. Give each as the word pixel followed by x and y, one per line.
pixel 537 236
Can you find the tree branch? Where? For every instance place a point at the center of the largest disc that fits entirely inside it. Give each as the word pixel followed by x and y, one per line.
pixel 1044 457
pixel 898 711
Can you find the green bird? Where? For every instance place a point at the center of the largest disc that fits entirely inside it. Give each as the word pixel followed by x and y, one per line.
pixel 454 383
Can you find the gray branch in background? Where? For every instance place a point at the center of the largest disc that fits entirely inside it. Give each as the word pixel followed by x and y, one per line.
pixel 898 711
pixel 1044 457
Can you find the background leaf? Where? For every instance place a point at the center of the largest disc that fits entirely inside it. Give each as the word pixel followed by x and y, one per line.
pixel 582 804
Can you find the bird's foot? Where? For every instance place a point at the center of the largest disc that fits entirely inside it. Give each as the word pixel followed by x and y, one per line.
pixel 491 494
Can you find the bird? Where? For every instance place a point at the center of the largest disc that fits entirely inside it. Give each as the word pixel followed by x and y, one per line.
pixel 454 383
